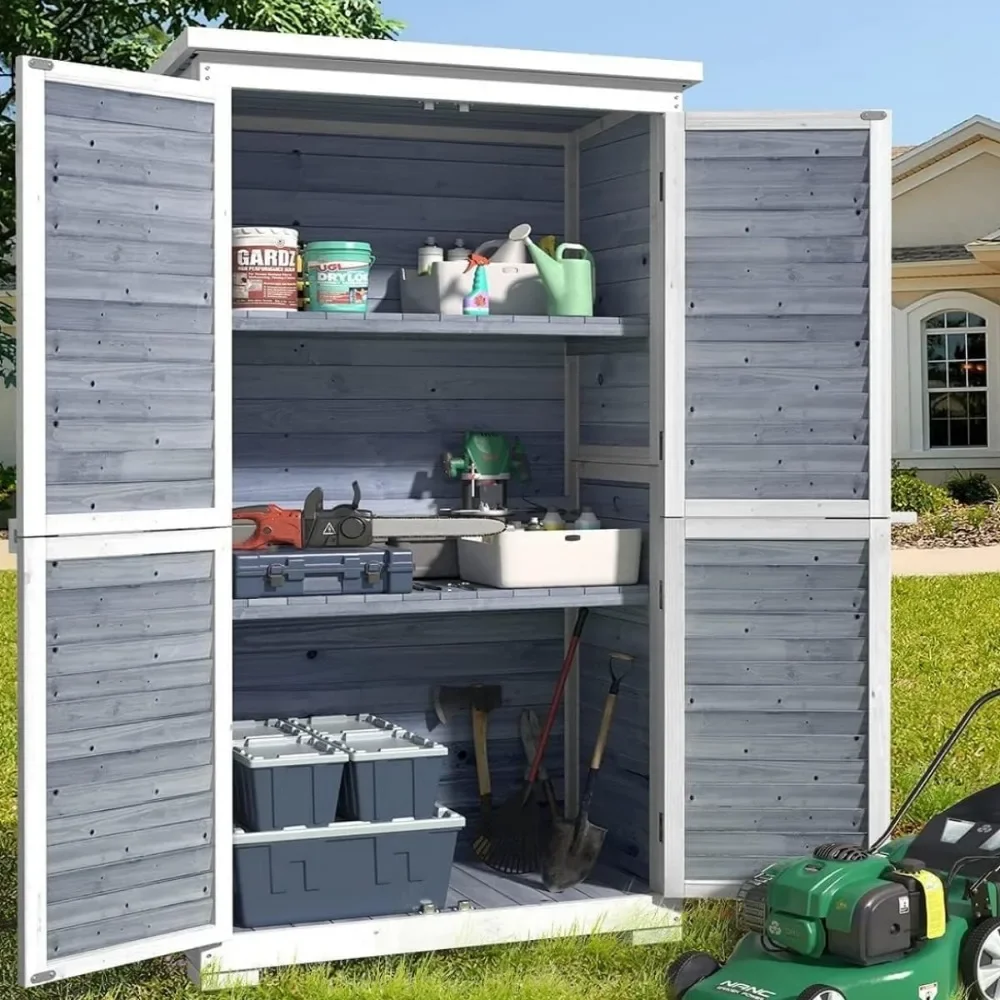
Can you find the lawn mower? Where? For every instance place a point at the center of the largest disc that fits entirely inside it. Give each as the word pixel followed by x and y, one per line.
pixel 915 918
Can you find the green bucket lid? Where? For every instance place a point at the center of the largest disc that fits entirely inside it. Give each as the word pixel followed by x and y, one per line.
pixel 340 245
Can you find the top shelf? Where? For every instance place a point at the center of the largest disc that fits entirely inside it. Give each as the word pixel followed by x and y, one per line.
pixel 433 325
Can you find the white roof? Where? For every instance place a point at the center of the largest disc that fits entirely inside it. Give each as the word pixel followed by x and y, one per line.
pixel 289 50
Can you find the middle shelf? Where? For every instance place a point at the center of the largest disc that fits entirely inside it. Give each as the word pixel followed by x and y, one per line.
pixel 429 601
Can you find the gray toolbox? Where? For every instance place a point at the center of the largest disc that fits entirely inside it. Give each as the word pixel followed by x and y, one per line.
pixel 322 572
pixel 288 779
pixel 343 871
pixel 392 774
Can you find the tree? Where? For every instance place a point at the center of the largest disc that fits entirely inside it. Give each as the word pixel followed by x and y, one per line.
pixel 130 34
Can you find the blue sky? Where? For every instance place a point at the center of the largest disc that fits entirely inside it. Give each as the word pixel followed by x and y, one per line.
pixel 932 65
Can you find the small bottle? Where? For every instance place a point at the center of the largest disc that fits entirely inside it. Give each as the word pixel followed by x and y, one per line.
pixel 587 521
pixel 428 255
pixel 477 302
pixel 459 251
pixel 552 521
pixel 533 524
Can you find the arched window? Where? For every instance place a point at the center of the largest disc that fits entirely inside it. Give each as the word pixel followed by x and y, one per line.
pixel 956 379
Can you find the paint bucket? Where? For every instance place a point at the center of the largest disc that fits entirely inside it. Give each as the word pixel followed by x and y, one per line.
pixel 264 271
pixel 338 273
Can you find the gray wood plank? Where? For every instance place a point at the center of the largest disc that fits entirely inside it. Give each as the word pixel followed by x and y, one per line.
pixel 168 148
pixel 750 274
pixel 614 404
pixel 72 498
pixel 129 598
pixel 712 144
pixel 133 764
pixel 107 683
pixel 133 927
pixel 770 194
pixel 122 317
pixel 64 253
pixel 851 300
pixel 626 435
pixel 93 436
pixel 620 155
pixel 796 171
pixel 118 376
pixel 614 370
pixel 801 698
pixel 759 331
pixel 123 404
pixel 98 104
pixel 777 486
pixel 790 382
pixel 622 229
pixel 849 355
pixel 768 723
pixel 704 431
pixel 775 748
pixel 158 572
pixel 89 800
pixel 151 466
pixel 75 157
pixel 753 578
pixel 772 820
pixel 78 912
pixel 746 600
pixel 153 652
pixel 626 263
pixel 138 818
pixel 754 224
pixel 828 793
pixel 98 851
pixel 117 221
pixel 624 298
pixel 779 249
pixel 130 874
pixel 799 650
pixel 798 401
pixel 614 196
pixel 706 844
pixel 126 286
pixel 777 552
pixel 822 673
pixel 88 713
pixel 729 458
pixel 74 344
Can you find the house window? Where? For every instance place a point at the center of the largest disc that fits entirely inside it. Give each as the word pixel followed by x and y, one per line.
pixel 955 352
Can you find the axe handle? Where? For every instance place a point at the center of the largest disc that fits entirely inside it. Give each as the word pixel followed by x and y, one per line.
pixel 479 748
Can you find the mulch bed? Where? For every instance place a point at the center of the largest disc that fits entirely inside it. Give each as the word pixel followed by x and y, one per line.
pixel 948 532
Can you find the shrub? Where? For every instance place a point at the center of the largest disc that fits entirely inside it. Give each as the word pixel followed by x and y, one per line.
pixel 8 483
pixel 911 493
pixel 971 488
pixel 977 515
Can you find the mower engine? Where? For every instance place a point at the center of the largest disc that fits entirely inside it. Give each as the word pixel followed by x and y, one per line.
pixel 844 902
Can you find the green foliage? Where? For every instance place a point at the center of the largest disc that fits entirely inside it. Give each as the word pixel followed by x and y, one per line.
pixel 971 488
pixel 909 492
pixel 130 34
pixel 8 483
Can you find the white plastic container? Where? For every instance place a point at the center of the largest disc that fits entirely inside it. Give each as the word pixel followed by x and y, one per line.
pixel 265 271
pixel 515 289
pixel 428 255
pixel 606 557
pixel 587 521
pixel 459 251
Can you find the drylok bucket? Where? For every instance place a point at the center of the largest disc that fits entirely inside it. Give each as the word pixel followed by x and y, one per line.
pixel 338 273
pixel 264 268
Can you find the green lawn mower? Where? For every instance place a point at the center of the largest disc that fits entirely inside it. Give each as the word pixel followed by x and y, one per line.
pixel 916 918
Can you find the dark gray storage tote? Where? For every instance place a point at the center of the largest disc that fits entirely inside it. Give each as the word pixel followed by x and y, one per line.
pixel 286 780
pixel 343 871
pixel 322 572
pixel 392 774
pixel 254 729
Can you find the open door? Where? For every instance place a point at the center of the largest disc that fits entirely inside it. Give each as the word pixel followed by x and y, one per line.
pixel 124 537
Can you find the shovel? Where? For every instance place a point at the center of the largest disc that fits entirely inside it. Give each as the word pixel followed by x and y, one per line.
pixel 575 846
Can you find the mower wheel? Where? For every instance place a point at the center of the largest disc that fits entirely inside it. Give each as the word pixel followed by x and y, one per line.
pixel 687 969
pixel 820 992
pixel 979 960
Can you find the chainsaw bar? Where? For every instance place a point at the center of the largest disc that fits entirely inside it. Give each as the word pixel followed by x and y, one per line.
pixel 435 527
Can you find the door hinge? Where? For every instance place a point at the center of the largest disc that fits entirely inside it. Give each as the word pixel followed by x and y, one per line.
pixel 45 64
pixel 661 446
pixel 661 185
pixel 660 592
pixel 661 828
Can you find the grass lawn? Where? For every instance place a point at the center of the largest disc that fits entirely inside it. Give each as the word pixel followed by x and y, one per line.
pixel 946 652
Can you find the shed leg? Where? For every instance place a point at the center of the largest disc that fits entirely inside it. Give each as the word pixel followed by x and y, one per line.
pixel 205 978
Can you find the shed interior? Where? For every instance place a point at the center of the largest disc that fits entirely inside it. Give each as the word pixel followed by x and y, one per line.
pixel 327 399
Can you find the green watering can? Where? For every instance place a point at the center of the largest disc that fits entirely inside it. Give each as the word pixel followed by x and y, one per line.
pixel 569 281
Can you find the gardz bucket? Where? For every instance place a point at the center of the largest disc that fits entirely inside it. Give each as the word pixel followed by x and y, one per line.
pixel 338 274
pixel 264 268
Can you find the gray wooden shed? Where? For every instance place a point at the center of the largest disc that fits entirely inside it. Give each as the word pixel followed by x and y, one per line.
pixel 731 398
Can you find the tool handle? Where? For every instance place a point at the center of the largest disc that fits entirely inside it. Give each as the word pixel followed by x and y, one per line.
pixel 273 525
pixel 550 720
pixel 479 745
pixel 598 755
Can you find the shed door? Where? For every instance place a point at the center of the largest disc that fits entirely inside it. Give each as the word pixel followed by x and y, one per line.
pixel 125 594
pixel 123 301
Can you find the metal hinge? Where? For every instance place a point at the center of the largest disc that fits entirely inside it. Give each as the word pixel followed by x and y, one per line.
pixel 45 64
pixel 661 446
pixel 43 977
pixel 661 185
pixel 873 116
pixel 660 590
pixel 661 828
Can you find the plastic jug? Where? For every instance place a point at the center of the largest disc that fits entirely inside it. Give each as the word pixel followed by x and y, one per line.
pixel 504 251
pixel 569 282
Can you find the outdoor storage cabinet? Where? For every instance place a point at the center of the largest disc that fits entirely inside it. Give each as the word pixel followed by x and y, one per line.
pixel 728 399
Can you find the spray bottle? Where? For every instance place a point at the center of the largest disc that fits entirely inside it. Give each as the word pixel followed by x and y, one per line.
pixel 477 302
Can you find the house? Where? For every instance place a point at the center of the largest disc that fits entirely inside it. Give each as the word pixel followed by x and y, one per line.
pixel 946 302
